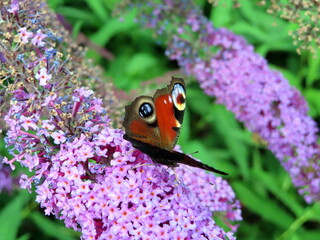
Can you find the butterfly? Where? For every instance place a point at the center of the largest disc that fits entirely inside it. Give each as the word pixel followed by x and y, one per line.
pixel 152 125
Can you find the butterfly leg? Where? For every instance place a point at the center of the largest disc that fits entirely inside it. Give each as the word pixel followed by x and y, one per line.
pixel 144 164
pixel 178 180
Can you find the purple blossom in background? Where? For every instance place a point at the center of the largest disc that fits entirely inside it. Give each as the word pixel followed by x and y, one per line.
pixel 14 7
pixel 212 192
pixel 82 170
pixel 43 76
pixel 24 35
pixel 6 181
pixel 38 38
pixel 227 68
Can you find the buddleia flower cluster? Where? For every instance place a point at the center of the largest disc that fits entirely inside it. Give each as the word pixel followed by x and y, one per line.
pixel 305 14
pixel 81 168
pixel 228 69
pixel 6 181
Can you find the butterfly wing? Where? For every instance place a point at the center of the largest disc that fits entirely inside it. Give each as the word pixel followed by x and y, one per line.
pixel 187 160
pixel 170 104
pixel 157 121
pixel 140 121
pixel 171 158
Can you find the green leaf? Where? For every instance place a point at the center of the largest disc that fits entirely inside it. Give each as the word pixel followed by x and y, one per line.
pixel 313 72
pixel 272 184
pixel 221 15
pixel 233 137
pixel 185 129
pixel 206 156
pixel 10 216
pixel 79 14
pixel 76 28
pixel 265 208
pixel 51 228
pixel 313 97
pixel 140 63
pixel 266 47
pixel 55 3
pixel 260 19
pixel 274 40
pixel 112 27
pixel 308 214
pixel 25 236
pixel 97 6
pixel 309 234
pixel 197 98
pixel 111 4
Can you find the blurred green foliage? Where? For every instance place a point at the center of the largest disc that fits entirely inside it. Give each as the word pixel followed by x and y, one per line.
pixel 272 208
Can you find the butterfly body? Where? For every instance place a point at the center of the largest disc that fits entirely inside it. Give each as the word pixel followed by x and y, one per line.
pixel 153 125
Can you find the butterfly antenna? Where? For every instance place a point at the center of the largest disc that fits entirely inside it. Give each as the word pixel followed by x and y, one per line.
pixel 124 154
pixel 144 164
pixel 206 180
pixel 193 153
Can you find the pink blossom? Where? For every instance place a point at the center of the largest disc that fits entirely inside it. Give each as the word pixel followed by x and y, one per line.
pixel 48 99
pixel 9 162
pixel 46 125
pixel 43 76
pixel 25 182
pixel 37 40
pixel 6 180
pixel 58 137
pixel 24 35
pixel 14 8
pixel 28 122
pixel 84 92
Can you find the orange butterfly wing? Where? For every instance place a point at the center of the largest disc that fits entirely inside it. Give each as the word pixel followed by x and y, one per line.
pixel 161 128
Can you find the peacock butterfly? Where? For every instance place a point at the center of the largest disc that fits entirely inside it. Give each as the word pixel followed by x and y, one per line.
pixel 153 125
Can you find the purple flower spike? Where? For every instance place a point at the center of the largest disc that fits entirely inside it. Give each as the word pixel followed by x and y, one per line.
pixel 6 181
pixel 82 169
pixel 242 81
pixel 99 185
